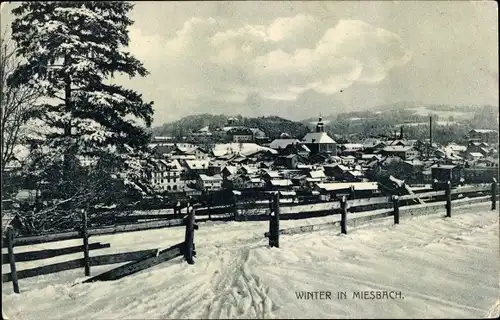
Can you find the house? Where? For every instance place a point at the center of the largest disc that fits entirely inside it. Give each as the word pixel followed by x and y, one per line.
pixel 241 135
pixel 302 181
pixel 239 160
pixel 245 149
pixel 214 168
pixel 297 148
pixel 163 150
pixel 205 131
pixel 259 136
pixel 267 165
pixel 477 174
pixel 474 156
pixel 370 157
pixel 335 159
pixel 401 143
pixel 351 148
pixel 209 183
pixel 487 162
pixel 193 168
pixel 271 175
pixel 280 184
pixel 453 150
pixel 478 147
pixel 450 173
pixel 317 174
pixel 371 145
pixel 278 144
pixel 353 175
pixel 166 175
pixel 439 153
pixel 243 181
pixel 343 188
pixel 318 158
pixel 248 170
pixel 319 141
pixel 338 172
pixel 483 135
pixel 229 171
pixel 289 161
pixel 405 153
pixel 196 151
pixel 289 173
pixel 347 160
pixel 161 139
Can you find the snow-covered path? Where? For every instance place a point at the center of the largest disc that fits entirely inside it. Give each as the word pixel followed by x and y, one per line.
pixel 442 267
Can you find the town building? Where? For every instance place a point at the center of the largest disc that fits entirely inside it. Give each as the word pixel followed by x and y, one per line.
pixel 483 135
pixel 209 183
pixel 351 148
pixel 278 144
pixel 241 135
pixel 166 175
pixel 319 141
pixel 403 152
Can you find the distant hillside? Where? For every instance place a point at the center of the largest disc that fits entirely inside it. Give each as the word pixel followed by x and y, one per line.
pixel 273 126
pixel 450 122
pixel 189 124
pixel 410 111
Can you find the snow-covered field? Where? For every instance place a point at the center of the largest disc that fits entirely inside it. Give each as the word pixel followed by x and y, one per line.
pixel 442 267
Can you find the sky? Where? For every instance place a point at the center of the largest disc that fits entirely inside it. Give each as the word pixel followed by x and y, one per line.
pixel 301 59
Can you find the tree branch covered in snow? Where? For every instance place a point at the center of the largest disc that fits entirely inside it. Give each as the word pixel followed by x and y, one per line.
pixel 70 50
pixel 17 104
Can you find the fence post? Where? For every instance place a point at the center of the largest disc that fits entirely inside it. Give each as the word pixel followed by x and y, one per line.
pixel 209 202
pixel 448 199
pixel 494 194
pixel 85 236
pixel 343 221
pixel 12 259
pixel 189 239
pixel 235 207
pixel 395 202
pixel 352 193
pixel 271 220
pixel 276 217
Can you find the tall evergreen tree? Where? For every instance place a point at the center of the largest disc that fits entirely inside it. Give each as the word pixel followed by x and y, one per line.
pixel 71 51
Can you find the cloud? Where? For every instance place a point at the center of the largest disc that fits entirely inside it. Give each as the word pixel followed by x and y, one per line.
pixel 210 61
pixel 287 27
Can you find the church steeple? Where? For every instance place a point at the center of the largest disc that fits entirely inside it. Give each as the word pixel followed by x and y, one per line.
pixel 320 127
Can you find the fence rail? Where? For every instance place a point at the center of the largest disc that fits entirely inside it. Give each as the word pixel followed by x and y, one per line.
pixel 396 211
pixel 50 253
pixel 72 235
pixel 140 259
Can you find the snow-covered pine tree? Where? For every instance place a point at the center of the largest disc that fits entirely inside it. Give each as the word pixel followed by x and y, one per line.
pixel 71 51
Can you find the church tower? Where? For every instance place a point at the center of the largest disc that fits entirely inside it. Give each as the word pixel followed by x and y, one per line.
pixel 320 126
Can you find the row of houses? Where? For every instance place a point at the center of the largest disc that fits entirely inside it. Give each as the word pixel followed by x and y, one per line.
pixel 288 163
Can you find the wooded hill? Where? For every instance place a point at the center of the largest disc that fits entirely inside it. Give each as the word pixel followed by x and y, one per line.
pixel 273 126
pixel 450 123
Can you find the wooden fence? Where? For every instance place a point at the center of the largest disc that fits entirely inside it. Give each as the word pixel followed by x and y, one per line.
pixel 141 259
pixel 394 201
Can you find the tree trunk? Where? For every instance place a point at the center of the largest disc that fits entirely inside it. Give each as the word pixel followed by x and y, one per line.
pixel 67 162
